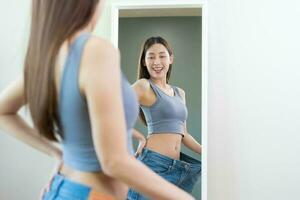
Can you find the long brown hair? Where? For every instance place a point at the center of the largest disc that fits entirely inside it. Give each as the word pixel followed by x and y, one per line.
pixel 142 68
pixel 52 23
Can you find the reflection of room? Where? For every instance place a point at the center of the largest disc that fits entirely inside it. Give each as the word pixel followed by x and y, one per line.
pixel 182 29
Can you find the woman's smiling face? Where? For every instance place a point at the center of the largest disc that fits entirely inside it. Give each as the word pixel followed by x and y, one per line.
pixel 157 61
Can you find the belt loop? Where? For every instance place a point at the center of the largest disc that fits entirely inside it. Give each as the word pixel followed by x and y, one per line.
pixel 174 163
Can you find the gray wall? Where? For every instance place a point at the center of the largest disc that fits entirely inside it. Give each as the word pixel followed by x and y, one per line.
pixel 184 35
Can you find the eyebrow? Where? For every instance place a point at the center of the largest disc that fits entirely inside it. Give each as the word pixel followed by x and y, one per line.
pixel 159 52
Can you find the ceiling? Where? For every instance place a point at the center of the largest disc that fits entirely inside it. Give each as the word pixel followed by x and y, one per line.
pixel 161 12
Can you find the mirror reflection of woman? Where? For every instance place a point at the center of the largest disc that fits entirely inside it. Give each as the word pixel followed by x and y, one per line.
pixel 76 94
pixel 164 112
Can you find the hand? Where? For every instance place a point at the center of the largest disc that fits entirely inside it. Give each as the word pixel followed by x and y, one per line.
pixel 55 171
pixel 142 143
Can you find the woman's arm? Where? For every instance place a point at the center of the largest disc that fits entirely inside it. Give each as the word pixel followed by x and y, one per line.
pixel 101 80
pixel 142 141
pixel 190 142
pixel 11 100
pixel 188 139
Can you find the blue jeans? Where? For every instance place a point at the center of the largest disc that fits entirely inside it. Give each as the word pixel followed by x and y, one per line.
pixel 183 173
pixel 64 189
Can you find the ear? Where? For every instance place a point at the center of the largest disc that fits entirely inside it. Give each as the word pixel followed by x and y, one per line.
pixel 171 59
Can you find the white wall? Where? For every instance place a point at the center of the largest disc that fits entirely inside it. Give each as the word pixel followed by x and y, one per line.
pixel 254 95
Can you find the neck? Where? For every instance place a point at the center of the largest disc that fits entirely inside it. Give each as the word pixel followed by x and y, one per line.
pixel 160 82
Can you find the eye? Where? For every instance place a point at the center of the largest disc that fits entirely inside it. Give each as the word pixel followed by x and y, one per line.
pixel 162 56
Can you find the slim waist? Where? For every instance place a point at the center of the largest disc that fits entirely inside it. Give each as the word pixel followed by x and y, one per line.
pixel 96 180
pixel 168 144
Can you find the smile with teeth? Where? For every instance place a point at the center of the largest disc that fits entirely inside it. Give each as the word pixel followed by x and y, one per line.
pixel 157 69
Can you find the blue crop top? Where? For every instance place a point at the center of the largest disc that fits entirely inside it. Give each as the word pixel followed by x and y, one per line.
pixel 168 114
pixel 78 149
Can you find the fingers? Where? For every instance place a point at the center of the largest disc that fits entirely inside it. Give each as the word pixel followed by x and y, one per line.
pixel 138 151
pixel 42 193
pixel 47 187
pixel 142 144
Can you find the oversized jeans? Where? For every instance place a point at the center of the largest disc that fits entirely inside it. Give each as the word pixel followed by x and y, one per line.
pixel 184 173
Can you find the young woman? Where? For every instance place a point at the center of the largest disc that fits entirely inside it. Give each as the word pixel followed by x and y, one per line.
pixel 165 113
pixel 76 95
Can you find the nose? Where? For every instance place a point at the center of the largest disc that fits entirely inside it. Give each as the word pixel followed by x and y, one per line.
pixel 156 61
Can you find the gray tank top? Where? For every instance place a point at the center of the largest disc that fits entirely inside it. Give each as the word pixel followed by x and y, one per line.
pixel 167 114
pixel 77 142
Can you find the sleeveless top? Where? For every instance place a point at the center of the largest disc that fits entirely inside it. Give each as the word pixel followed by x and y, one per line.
pixel 168 114
pixel 78 149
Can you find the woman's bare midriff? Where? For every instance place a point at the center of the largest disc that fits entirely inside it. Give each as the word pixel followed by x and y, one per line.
pixel 97 181
pixel 168 144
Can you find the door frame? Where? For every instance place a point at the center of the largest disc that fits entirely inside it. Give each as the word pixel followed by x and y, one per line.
pixel 201 4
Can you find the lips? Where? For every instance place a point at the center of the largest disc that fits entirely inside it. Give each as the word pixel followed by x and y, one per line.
pixel 157 69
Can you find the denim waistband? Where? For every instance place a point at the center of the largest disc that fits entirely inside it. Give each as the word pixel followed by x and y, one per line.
pixel 66 187
pixel 184 161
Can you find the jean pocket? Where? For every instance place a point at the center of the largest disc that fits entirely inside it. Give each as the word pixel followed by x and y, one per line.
pixel 157 166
